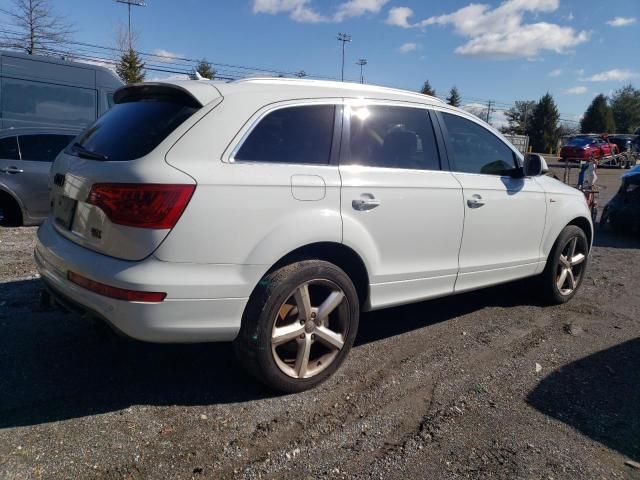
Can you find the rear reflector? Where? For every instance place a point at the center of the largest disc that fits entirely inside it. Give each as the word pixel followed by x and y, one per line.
pixel 114 292
pixel 156 206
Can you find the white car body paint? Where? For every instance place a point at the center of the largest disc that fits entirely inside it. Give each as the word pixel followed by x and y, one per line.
pixel 421 240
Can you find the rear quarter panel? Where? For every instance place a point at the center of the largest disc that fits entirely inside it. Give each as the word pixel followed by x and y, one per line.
pixel 245 213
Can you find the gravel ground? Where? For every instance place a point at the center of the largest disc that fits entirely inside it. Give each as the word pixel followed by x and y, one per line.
pixel 488 384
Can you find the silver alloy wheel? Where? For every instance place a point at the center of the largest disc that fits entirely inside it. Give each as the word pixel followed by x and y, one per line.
pixel 306 339
pixel 570 267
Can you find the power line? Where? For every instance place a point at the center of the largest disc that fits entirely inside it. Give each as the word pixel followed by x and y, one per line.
pixel 225 71
pixel 191 61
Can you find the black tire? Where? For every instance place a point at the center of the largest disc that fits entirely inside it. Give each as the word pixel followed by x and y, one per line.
pixel 551 274
pixel 10 214
pixel 253 346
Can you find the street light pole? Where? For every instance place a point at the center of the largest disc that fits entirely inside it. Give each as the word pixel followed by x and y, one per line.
pixel 135 3
pixel 344 38
pixel 362 62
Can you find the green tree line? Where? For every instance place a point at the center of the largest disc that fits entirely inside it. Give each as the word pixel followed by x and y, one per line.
pixel 540 121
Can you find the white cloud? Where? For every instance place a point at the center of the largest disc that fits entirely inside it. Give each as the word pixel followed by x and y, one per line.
pixel 298 10
pixel 303 11
pixel 357 8
pixel 110 65
pixel 500 32
pixel 497 118
pixel 575 91
pixel 168 56
pixel 399 17
pixel 160 77
pixel 615 75
pixel 477 109
pixel 408 47
pixel 555 73
pixel 621 21
pixel 526 42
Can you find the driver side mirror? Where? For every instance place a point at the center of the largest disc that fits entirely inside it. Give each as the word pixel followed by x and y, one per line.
pixel 535 165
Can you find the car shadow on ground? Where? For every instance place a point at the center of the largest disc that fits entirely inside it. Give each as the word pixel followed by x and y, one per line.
pixel 607 238
pixel 56 366
pixel 599 396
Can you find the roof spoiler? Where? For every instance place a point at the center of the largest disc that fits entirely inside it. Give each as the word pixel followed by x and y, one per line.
pixel 196 94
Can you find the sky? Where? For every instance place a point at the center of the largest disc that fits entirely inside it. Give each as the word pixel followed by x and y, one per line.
pixel 491 50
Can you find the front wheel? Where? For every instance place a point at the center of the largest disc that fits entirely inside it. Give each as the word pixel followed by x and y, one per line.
pixel 299 325
pixel 566 265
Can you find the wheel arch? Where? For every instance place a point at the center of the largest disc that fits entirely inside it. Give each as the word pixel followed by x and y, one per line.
pixel 337 253
pixel 585 225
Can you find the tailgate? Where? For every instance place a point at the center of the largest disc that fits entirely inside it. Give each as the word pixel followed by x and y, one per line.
pixel 87 224
pixel 112 190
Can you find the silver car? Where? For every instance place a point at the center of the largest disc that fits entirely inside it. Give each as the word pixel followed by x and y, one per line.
pixel 25 160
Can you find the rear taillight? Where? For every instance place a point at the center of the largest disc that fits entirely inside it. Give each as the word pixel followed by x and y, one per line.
pixel 141 205
pixel 115 292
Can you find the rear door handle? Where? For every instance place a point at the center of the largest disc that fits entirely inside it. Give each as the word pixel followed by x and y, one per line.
pixel 366 202
pixel 11 170
pixel 475 201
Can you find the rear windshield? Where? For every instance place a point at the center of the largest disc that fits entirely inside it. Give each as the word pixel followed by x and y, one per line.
pixel 134 128
pixel 580 142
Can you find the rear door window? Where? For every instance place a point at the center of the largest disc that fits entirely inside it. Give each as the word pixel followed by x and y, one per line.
pixel 392 137
pixel 42 148
pixel 291 135
pixel 134 128
pixel 9 149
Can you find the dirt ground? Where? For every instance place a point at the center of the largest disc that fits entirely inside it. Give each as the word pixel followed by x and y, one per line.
pixel 489 384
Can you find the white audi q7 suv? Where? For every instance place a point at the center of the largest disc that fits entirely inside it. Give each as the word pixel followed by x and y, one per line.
pixel 271 212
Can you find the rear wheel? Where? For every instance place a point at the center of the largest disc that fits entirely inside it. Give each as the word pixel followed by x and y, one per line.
pixel 566 265
pixel 299 325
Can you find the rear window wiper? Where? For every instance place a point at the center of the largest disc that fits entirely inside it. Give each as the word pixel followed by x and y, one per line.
pixel 81 151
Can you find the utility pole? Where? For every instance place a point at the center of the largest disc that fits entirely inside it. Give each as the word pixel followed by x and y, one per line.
pixel 135 3
pixel 362 62
pixel 344 38
pixel 526 117
pixel 489 104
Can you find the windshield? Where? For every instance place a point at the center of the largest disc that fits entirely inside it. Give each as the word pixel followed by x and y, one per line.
pixel 132 129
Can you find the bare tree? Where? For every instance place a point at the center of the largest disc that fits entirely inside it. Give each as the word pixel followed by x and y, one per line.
pixel 38 27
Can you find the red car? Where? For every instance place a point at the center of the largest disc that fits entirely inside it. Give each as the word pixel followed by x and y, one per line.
pixel 587 148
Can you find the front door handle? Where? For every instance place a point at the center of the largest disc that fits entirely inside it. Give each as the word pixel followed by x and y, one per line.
pixel 475 201
pixel 11 170
pixel 366 202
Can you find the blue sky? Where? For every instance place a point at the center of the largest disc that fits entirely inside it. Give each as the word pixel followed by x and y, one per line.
pixel 499 50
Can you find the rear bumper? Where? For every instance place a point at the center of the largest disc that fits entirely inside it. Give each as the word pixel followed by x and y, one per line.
pixel 204 303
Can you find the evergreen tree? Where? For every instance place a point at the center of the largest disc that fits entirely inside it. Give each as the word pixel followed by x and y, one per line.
pixel 130 67
pixel 625 104
pixel 519 116
pixel 454 97
pixel 598 118
pixel 543 127
pixel 206 70
pixel 427 90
